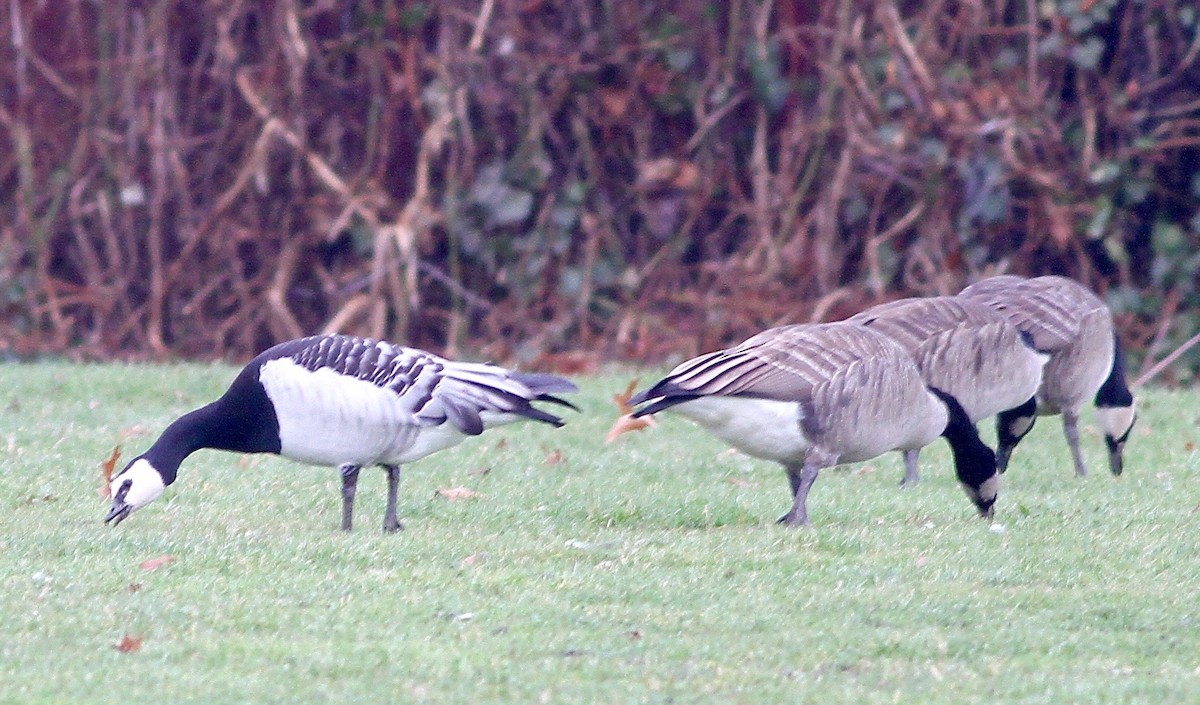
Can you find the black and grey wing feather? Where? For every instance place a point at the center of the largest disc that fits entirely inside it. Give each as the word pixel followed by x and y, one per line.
pixel 432 388
pixel 1048 312
pixel 787 364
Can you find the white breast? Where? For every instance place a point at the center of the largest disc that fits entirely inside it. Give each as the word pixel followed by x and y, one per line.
pixel 327 418
pixel 761 428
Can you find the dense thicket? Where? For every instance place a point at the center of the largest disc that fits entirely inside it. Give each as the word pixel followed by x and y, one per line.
pixel 522 178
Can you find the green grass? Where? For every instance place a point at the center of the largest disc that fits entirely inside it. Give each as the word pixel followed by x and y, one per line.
pixel 645 571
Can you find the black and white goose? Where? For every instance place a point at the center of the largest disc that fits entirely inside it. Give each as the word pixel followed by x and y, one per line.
pixel 971 352
pixel 1075 327
pixel 812 396
pixel 342 401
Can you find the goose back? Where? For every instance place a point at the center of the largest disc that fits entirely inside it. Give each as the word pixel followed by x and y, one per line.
pixel 964 348
pixel 841 388
pixel 1065 320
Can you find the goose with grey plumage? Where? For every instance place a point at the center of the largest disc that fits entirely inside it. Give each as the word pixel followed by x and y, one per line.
pixel 347 402
pixel 971 352
pixel 1075 328
pixel 812 396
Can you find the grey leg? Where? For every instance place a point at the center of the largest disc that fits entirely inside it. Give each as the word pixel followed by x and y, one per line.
pixel 793 476
pixel 801 479
pixel 390 522
pixel 349 486
pixel 1071 430
pixel 911 475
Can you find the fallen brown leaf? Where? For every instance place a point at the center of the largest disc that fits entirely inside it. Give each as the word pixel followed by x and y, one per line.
pixel 156 563
pixel 1189 446
pixel 555 457
pixel 106 471
pixel 623 398
pixel 474 558
pixel 739 482
pixel 129 644
pixel 456 493
pixel 134 587
pixel 627 424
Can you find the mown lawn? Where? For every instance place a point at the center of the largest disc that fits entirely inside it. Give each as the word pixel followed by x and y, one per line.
pixel 649 570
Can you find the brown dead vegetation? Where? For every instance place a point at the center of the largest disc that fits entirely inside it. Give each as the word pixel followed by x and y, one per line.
pixel 518 179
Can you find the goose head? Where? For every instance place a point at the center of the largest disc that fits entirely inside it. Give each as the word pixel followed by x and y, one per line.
pixel 139 484
pixel 1117 422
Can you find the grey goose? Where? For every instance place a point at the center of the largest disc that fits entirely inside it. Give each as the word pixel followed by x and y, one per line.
pixel 1073 325
pixel 811 396
pixel 970 351
pixel 342 401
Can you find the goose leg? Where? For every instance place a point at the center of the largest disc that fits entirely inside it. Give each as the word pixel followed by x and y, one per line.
pixel 349 486
pixel 911 475
pixel 801 478
pixel 390 522
pixel 1071 431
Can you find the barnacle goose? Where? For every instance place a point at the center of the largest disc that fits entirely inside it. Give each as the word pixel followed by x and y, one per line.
pixel 811 396
pixel 344 401
pixel 1075 327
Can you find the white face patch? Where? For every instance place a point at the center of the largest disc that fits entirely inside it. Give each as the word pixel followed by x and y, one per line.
pixel 1020 425
pixel 1117 420
pixel 145 484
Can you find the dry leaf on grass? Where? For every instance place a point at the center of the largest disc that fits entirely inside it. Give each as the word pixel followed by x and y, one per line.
pixel 555 457
pixel 129 644
pixel 456 493
pixel 622 399
pixel 155 563
pixel 106 472
pixel 626 423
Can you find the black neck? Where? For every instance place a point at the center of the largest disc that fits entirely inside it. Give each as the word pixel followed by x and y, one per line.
pixel 974 461
pixel 242 420
pixel 1115 390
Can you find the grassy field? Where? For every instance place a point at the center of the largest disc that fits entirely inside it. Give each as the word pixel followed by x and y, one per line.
pixel 645 571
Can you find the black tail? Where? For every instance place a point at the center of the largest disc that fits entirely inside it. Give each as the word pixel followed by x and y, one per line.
pixel 544 386
pixel 664 395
